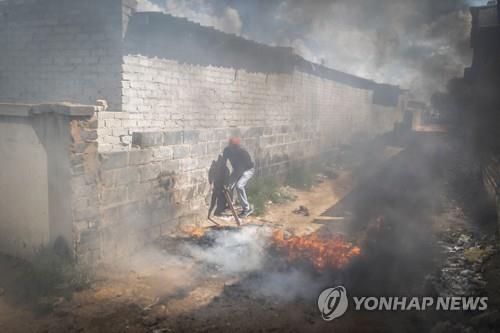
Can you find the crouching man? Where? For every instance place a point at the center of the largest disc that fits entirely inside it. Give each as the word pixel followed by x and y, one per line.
pixel 243 170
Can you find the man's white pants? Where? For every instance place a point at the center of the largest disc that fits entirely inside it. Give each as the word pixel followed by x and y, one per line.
pixel 240 189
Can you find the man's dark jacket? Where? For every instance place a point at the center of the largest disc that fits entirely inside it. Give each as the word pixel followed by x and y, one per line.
pixel 240 159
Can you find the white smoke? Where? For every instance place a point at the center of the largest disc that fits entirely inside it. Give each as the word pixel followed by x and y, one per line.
pixel 197 11
pixel 234 252
pixel 148 6
pixel 240 255
pixel 204 13
pixel 287 285
pixel 417 44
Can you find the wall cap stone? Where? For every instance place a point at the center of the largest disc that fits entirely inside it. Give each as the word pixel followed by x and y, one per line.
pixel 16 110
pixel 67 109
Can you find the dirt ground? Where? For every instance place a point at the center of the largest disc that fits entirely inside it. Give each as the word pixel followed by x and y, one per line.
pixel 159 292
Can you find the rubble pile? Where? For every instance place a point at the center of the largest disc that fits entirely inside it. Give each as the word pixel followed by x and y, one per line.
pixel 461 272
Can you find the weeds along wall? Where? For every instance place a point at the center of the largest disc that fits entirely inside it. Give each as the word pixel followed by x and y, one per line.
pixel 176 92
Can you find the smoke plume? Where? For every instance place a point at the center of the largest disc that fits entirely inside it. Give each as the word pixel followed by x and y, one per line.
pixel 226 19
pixel 419 45
pixel 148 6
pixel 241 254
pixel 235 252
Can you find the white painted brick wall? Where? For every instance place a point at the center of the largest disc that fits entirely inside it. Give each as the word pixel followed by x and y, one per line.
pixel 163 94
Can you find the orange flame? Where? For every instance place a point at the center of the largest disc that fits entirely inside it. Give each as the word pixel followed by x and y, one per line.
pixel 195 232
pixel 334 252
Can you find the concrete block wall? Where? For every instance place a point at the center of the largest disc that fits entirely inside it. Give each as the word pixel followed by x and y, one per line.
pixel 49 175
pixel 161 184
pixel 61 50
pixel 85 168
pixel 23 183
pixel 177 118
pixel 161 94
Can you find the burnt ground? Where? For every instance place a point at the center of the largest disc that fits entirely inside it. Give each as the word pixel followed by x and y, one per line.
pixel 419 218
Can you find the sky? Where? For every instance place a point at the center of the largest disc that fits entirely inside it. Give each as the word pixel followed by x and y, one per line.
pixel 417 44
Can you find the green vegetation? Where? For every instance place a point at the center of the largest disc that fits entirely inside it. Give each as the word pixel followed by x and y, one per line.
pixel 51 275
pixel 303 177
pixel 263 190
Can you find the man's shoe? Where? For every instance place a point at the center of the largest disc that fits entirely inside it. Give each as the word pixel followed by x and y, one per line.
pixel 245 213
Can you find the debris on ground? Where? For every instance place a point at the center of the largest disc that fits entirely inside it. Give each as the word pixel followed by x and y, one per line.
pixel 302 210
pixel 477 254
pixel 464 252
pixel 490 318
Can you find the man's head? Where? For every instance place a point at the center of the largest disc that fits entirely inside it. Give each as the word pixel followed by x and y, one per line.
pixel 234 141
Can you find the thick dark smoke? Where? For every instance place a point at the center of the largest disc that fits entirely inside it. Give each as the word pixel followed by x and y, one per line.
pixel 419 44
